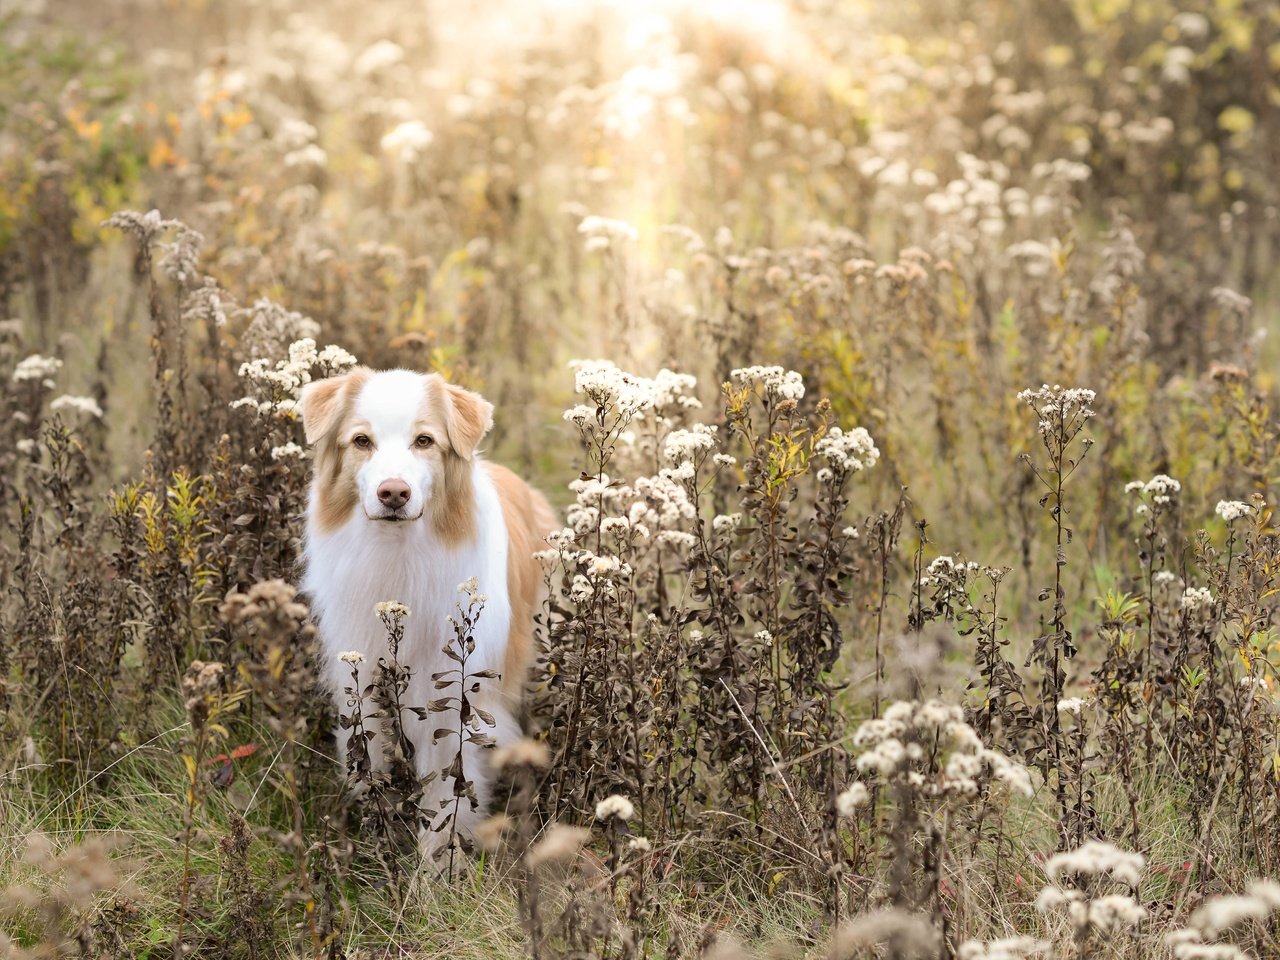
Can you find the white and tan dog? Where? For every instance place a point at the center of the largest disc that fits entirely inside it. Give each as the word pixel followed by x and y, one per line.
pixel 402 507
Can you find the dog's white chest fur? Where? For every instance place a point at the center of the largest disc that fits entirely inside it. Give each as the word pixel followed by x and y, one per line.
pixel 364 562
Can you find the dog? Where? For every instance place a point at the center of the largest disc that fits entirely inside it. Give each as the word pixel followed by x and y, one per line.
pixel 403 507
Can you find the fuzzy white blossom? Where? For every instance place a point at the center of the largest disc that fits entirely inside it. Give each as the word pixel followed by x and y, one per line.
pixel 1196 598
pixel 848 452
pixel 615 806
pixel 1057 406
pixel 603 232
pixel 353 657
pixel 1218 914
pixel 681 445
pixel 851 798
pixel 391 610
pixel 891 748
pixel 726 522
pixel 85 405
pixel 1230 510
pixel 1007 948
pixel 287 451
pixel 784 384
pixel 407 141
pixel 1097 859
pixel 37 368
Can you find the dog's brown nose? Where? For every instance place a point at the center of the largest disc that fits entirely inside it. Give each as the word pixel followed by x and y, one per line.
pixel 394 494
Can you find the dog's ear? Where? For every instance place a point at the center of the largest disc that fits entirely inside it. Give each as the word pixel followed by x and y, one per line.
pixel 321 403
pixel 470 417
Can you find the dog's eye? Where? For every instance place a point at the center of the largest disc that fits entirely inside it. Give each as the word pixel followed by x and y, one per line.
pixel 424 441
pixel 361 441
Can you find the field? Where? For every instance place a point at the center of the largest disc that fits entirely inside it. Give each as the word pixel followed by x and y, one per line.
pixel 904 375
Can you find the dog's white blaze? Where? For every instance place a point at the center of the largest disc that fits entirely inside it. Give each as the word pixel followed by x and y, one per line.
pixel 390 404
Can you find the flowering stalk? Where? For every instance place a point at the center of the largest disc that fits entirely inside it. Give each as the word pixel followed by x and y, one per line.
pixel 1062 415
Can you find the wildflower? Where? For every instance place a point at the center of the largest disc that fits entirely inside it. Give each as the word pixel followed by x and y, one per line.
pixel 1164 578
pixel 37 368
pixel 1196 598
pixel 679 539
pixel 391 610
pixel 1230 510
pixel 615 806
pixel 311 155
pixel 288 450
pixel 1007 948
pixel 848 452
pixel 353 657
pixel 1071 705
pixel 25 446
pixel 85 405
pixel 784 384
pixel 639 845
pixel 1056 405
pixel 726 522
pixel 602 232
pixel 407 141
pixel 1097 858
pixel 852 797
pixel 725 460
pixel 765 637
pixel 334 358
pixel 683 445
pixel 1115 912
pixel 1225 912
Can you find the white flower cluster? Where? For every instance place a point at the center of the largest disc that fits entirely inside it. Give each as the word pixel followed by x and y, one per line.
pixel 407 141
pixel 1230 510
pixel 614 391
pixel 947 570
pixel 85 405
pixel 891 750
pixel 353 657
pixel 37 368
pixel 1188 945
pixel 682 445
pixel 1008 948
pixel 1095 860
pixel 391 610
pixel 615 806
pixel 1196 598
pixel 1056 405
pixel 1160 490
pixel 1072 705
pixel 848 452
pixel 726 522
pixel 603 232
pixel 1219 914
pixel 471 587
pixel 850 799
pixel 288 451
pixel 784 384
pixel 282 382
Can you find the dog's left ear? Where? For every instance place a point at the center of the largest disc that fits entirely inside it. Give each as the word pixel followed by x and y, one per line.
pixel 470 417
pixel 321 403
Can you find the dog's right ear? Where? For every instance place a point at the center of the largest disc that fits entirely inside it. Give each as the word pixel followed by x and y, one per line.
pixel 321 403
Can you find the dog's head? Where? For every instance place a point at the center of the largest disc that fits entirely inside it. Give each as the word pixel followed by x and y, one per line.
pixel 393 446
